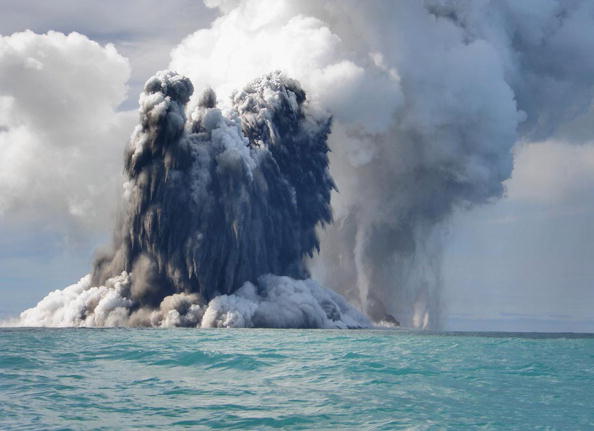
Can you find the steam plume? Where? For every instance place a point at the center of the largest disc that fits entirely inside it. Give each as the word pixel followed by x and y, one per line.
pixel 429 99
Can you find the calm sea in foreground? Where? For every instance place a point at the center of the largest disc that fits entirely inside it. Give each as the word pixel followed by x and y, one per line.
pixel 243 379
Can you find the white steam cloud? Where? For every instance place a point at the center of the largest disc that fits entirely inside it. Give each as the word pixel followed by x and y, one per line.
pixel 60 133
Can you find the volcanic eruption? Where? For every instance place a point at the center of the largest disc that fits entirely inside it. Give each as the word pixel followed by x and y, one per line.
pixel 220 212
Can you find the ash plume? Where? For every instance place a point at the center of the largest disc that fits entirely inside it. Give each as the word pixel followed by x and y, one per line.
pixel 214 202
pixel 221 211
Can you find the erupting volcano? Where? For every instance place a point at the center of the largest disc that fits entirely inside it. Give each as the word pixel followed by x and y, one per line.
pixel 220 211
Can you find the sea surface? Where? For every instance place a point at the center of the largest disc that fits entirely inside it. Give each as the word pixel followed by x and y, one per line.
pixel 259 379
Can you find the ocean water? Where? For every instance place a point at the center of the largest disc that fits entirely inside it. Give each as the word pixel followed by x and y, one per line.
pixel 244 379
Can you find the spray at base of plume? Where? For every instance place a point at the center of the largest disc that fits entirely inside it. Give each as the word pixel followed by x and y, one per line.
pixel 271 302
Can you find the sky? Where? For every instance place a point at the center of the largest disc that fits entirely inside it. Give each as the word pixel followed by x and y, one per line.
pixel 518 262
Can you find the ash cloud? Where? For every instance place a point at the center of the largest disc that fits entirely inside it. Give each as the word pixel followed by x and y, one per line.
pixel 219 200
pixel 214 205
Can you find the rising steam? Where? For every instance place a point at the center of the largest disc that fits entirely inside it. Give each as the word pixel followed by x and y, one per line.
pixel 214 206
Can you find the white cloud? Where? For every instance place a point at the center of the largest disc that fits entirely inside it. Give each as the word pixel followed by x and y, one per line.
pixel 259 37
pixel 62 137
pixel 145 42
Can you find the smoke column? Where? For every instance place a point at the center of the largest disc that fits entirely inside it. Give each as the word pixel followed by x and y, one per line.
pixel 215 205
pixel 429 99
pixel 227 201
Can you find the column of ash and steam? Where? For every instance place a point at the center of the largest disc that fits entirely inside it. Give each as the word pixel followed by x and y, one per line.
pixel 215 206
pixel 429 99
pixel 221 211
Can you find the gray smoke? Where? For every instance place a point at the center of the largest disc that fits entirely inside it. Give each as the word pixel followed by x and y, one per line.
pixel 480 77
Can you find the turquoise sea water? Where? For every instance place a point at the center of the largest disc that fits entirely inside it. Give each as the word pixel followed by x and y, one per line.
pixel 169 379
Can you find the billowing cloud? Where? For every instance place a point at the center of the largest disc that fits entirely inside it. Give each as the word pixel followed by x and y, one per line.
pixel 61 135
pixel 145 42
pixel 258 37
